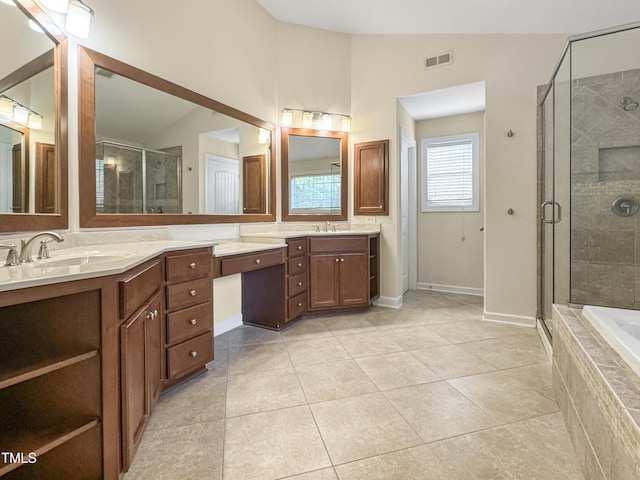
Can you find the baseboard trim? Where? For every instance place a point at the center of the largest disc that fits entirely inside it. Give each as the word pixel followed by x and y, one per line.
pixel 512 319
pixel 227 325
pixel 545 340
pixel 390 302
pixel 450 289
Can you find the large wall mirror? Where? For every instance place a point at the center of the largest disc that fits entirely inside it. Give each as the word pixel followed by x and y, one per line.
pixel 314 175
pixel 33 119
pixel 155 153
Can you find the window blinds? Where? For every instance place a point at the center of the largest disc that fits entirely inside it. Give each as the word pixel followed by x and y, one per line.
pixel 450 173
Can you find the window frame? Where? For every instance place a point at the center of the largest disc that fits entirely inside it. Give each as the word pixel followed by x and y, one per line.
pixel 474 205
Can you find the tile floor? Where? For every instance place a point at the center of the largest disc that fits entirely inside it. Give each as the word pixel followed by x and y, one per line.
pixel 425 392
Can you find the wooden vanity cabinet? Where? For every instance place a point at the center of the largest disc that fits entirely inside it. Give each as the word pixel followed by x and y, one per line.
pixel 297 278
pixel 141 359
pixel 371 178
pixel 188 341
pixel 340 273
pixel 58 377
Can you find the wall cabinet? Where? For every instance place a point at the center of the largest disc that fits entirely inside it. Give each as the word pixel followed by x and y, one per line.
pixel 371 178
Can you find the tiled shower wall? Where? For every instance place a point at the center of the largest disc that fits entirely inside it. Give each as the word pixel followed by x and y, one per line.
pixel 605 165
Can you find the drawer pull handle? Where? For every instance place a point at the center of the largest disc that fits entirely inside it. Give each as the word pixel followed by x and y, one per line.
pixel 193 293
pixel 192 265
pixel 299 304
pixel 342 259
pixel 257 261
pixel 299 247
pixel 337 259
pixel 193 321
pixel 299 264
pixel 193 353
pixel 299 284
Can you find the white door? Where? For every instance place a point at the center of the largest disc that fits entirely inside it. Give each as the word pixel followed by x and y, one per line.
pixel 222 187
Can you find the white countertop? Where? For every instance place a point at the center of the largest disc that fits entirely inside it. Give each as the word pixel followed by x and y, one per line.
pixel 233 248
pixel 101 260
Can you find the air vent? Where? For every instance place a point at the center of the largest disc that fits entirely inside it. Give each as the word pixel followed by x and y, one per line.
pixel 438 60
pixel 104 73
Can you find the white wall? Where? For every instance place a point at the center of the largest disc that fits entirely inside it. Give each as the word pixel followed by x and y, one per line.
pixel 451 245
pixel 386 67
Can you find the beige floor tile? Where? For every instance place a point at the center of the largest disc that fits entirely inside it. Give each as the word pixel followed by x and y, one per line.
pixel 199 400
pixel 508 352
pixel 360 427
pixel 368 343
pixel 272 445
pixel 510 395
pixel 465 312
pixel 318 350
pixel 330 381
pixel 431 316
pixel 249 335
pixel 324 474
pixel 306 329
pixel 395 370
pixel 415 338
pixel 451 361
pixel 387 318
pixel 263 391
pixel 470 331
pixel 437 411
pixel 347 324
pixel 258 358
pixel 193 451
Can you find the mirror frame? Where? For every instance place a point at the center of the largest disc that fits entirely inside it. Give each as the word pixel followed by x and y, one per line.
pixel 88 61
pixel 22 222
pixel 284 168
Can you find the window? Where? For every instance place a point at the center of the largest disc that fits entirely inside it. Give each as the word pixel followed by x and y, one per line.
pixel 99 183
pixel 315 192
pixel 450 173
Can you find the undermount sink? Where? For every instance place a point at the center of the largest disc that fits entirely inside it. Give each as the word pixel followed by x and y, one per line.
pixel 81 258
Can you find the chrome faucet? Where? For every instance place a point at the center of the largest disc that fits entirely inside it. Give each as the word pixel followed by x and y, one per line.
pixel 12 256
pixel 327 225
pixel 26 246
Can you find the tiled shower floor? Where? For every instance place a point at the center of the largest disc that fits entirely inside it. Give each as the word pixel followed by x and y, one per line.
pixel 425 392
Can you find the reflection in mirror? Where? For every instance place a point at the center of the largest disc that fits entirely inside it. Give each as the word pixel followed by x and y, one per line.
pixel 32 108
pixel 160 151
pixel 314 166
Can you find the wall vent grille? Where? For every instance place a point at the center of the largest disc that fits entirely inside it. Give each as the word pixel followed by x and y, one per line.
pixel 439 60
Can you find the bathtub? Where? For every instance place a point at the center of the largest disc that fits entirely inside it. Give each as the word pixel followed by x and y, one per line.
pixel 619 327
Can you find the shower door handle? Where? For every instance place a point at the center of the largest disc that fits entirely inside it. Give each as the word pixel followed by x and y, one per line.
pixel 543 212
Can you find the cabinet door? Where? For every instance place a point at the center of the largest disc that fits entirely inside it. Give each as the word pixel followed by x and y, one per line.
pixel 371 178
pixel 134 391
pixel 354 279
pixel 323 280
pixel 254 198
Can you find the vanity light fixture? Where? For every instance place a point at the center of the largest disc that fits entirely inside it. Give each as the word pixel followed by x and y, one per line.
pixel 287 117
pixel 59 6
pixel 79 18
pixel 8 2
pixel 315 120
pixel 263 136
pixel 19 113
pixel 307 119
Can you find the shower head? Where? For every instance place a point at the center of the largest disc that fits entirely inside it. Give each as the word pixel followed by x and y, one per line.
pixel 628 104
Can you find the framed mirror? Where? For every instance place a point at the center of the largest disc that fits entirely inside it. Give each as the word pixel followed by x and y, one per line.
pixel 314 175
pixel 155 153
pixel 33 120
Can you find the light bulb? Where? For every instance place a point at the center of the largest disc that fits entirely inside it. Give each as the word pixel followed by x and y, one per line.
pixel 20 114
pixel 327 121
pixel 6 107
pixel 35 121
pixel 287 117
pixel 346 124
pixel 78 19
pixel 307 119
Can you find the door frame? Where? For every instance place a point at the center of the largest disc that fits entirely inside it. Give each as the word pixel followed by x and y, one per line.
pixel 408 143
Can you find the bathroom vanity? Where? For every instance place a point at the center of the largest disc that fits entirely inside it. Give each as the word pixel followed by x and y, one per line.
pixel 87 348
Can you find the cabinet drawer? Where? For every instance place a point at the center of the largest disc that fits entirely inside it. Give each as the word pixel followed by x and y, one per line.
pixel 297 305
pixel 188 293
pixel 182 267
pixel 251 261
pixel 338 244
pixel 190 354
pixel 189 322
pixel 136 288
pixel 297 247
pixel 296 266
pixel 297 284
